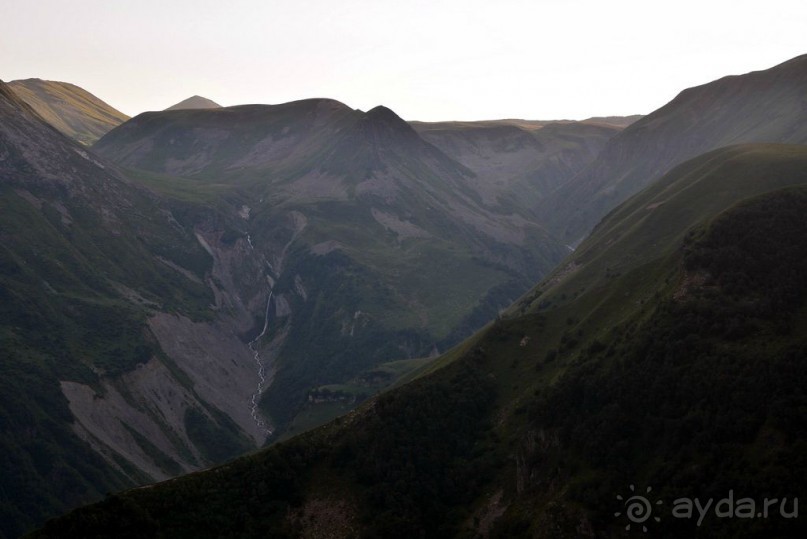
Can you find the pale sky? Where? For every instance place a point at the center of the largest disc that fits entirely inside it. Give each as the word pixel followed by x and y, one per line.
pixel 426 60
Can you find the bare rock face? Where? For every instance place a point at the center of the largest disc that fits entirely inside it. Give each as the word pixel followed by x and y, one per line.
pixel 221 367
pixel 509 157
pixel 152 406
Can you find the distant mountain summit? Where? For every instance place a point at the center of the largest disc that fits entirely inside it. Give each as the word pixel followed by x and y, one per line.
pixel 72 110
pixel 195 102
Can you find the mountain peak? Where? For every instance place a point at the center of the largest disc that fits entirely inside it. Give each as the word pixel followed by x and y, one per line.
pixel 760 106
pixel 385 120
pixel 195 102
pixel 383 113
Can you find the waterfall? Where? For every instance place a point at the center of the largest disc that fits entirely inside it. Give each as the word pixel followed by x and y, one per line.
pixel 253 345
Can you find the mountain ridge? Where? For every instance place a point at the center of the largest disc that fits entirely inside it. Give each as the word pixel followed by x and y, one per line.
pixel 761 106
pixel 69 108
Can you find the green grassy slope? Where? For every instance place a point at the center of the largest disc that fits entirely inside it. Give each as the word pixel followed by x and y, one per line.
pixel 682 369
pixel 70 109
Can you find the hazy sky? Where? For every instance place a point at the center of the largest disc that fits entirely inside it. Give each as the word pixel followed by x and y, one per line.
pixel 427 60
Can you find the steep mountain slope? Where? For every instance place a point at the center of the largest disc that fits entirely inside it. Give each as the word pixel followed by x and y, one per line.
pixel 668 352
pixel 763 106
pixel 380 247
pixel 70 109
pixel 195 102
pixel 95 273
pixel 517 165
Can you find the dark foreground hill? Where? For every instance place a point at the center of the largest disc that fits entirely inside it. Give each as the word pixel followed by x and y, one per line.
pixel 668 352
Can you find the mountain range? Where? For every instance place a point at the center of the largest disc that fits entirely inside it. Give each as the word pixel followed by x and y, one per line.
pixel 271 267
pixel 405 249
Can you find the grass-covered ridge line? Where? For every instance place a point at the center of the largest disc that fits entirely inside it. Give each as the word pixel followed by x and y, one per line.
pixel 70 109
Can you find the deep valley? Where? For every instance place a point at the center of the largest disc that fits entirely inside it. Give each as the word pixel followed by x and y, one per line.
pixel 307 320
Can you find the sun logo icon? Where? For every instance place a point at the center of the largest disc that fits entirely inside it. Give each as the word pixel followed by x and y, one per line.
pixel 638 508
